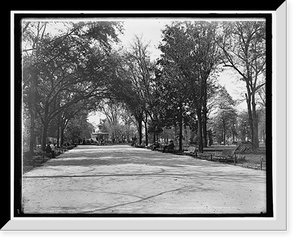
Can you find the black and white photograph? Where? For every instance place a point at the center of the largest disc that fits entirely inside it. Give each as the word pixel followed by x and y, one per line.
pixel 155 115
pixel 144 116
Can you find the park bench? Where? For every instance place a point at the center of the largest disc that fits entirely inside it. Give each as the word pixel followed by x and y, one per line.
pixel 191 151
pixel 227 155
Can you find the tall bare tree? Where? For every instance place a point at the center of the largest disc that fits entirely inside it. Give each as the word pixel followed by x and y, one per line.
pixel 132 82
pixel 244 47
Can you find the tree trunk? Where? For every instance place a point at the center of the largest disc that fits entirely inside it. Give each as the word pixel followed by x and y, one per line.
pixel 62 128
pixel 32 101
pixel 180 128
pixel 205 128
pixel 57 135
pixel 140 125
pixel 205 113
pixel 250 119
pixel 255 140
pixel 32 134
pixel 45 132
pixel 146 133
pixel 224 131
pixel 45 126
pixel 200 137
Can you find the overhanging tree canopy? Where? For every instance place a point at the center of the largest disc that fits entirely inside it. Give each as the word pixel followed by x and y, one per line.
pixel 66 68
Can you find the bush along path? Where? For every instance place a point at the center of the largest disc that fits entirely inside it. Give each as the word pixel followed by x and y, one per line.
pixel 40 157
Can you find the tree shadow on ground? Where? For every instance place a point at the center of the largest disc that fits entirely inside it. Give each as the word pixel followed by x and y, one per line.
pixel 91 155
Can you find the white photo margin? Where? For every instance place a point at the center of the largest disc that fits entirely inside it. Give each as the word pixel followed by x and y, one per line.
pixel 279 135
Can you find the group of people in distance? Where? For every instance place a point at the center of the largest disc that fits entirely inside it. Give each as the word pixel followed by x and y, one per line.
pixel 167 148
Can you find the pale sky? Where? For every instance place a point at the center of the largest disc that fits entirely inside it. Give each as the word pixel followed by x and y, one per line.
pixel 148 29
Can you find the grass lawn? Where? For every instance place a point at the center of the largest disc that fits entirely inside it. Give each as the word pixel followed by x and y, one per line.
pixel 254 160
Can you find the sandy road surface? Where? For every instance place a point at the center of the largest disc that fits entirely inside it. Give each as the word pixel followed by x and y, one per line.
pixel 123 179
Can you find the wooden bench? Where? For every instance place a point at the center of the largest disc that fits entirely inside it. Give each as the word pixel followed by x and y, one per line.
pixel 191 151
pixel 227 155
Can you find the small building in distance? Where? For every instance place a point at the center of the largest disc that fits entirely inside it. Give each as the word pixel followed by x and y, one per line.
pixel 101 136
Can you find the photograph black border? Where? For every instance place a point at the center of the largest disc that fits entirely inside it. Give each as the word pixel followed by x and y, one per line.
pixel 18 105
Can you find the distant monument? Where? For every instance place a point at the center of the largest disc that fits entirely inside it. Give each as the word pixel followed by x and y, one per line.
pixel 100 134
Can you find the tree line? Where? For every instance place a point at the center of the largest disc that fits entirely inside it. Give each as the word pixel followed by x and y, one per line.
pixel 76 68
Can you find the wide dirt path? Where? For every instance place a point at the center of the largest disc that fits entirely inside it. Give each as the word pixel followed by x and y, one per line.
pixel 124 179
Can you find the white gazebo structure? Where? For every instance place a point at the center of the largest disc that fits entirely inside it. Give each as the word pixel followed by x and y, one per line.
pixel 100 136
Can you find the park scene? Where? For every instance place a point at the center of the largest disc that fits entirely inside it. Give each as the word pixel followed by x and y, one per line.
pixel 143 116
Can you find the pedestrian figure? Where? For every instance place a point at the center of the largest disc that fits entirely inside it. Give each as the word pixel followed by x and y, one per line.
pixel 155 145
pixel 50 150
pixel 170 147
pixel 133 141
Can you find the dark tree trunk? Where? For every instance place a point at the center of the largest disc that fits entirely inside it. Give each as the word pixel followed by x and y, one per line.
pixel 139 119
pixel 250 119
pixel 253 121
pixel 57 135
pixel 45 127
pixel 45 133
pixel 205 129
pixel 200 137
pixel 146 133
pixel 255 140
pixel 180 128
pixel 224 135
pixel 205 113
pixel 32 101
pixel 140 125
pixel 62 128
pixel 32 134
